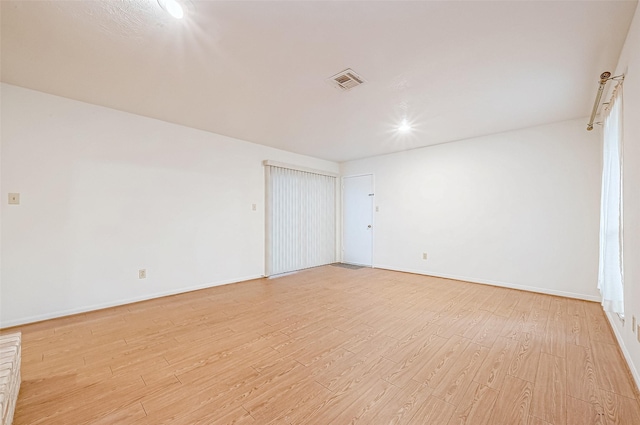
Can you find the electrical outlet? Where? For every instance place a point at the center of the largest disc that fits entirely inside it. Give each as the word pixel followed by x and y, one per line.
pixel 254 207
pixel 142 274
pixel 14 199
pixel 424 255
pixel 377 208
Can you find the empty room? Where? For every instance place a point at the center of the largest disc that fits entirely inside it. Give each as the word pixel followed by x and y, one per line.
pixel 319 212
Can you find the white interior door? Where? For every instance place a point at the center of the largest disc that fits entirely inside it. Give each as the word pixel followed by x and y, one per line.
pixel 357 220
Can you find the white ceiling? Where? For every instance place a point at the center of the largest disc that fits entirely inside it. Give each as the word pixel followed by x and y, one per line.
pixel 256 70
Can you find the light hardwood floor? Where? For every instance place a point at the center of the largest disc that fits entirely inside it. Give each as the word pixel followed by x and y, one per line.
pixel 330 346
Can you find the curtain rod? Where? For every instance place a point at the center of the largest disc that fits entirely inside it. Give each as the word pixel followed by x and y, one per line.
pixel 604 77
pixel 270 163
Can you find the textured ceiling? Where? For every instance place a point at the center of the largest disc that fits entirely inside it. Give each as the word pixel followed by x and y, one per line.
pixel 256 70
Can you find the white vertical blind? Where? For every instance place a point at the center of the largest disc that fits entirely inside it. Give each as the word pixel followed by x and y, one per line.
pixel 610 277
pixel 301 219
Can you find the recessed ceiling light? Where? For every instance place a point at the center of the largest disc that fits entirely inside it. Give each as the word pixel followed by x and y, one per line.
pixel 172 7
pixel 404 126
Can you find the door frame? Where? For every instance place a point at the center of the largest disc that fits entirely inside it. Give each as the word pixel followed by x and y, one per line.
pixel 373 215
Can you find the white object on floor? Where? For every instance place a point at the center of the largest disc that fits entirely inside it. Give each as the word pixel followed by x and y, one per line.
pixel 9 375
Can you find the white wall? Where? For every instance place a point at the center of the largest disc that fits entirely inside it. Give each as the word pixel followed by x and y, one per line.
pixel 629 64
pixel 517 209
pixel 105 193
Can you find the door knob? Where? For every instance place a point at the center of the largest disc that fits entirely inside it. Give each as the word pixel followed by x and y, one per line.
pixel 369 227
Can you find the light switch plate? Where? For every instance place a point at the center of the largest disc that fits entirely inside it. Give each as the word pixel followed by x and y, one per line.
pixel 14 199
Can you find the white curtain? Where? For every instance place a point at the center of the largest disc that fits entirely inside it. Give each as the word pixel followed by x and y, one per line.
pixel 301 219
pixel 610 272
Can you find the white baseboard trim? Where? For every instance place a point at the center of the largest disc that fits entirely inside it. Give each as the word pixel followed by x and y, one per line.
pixel 634 372
pixel 496 283
pixel 69 312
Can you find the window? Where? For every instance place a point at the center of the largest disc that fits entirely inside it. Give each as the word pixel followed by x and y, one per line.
pixel 610 271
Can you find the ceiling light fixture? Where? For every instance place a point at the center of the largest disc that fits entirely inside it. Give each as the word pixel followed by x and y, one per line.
pixel 404 126
pixel 172 7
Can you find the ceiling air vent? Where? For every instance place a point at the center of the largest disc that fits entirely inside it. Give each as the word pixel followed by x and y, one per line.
pixel 346 80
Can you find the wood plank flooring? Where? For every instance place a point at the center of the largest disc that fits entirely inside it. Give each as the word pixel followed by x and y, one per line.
pixel 330 346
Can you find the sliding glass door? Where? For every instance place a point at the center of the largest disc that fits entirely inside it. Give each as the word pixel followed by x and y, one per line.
pixel 301 219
